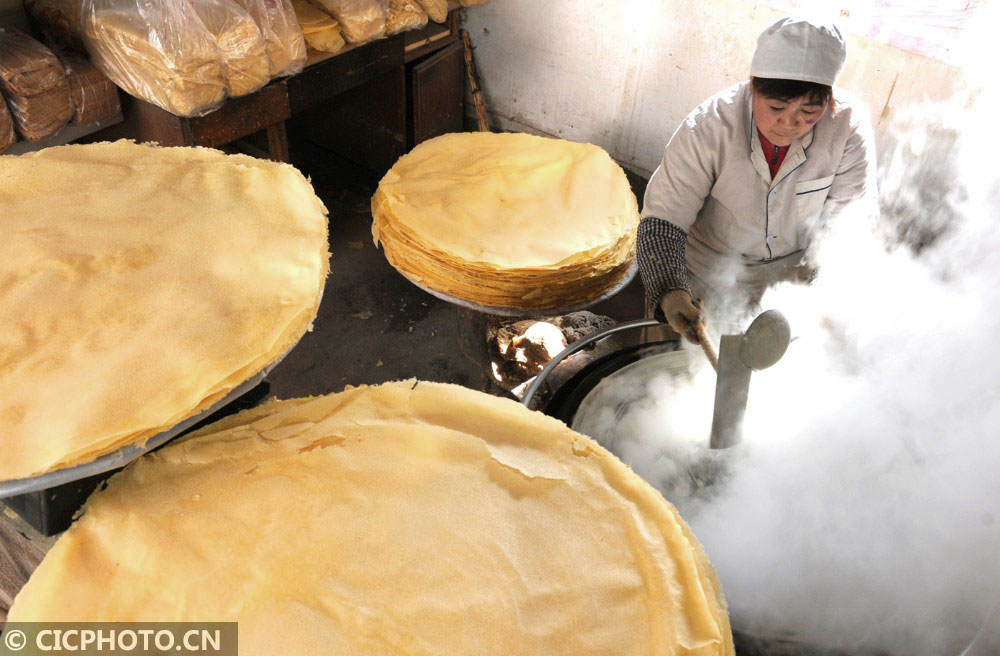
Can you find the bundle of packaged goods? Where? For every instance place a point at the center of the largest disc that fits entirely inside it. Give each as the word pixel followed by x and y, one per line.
pixel 286 48
pixel 322 31
pixel 437 10
pixel 160 52
pixel 508 220
pixel 360 20
pixel 34 85
pixel 7 135
pixel 404 15
pixel 188 56
pixel 93 95
pixel 245 62
pixel 185 56
pixel 60 21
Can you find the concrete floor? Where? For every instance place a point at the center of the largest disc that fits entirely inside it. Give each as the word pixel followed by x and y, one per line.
pixel 374 325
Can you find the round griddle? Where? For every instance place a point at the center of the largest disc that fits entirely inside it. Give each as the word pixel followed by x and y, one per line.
pixel 568 399
pixel 126 454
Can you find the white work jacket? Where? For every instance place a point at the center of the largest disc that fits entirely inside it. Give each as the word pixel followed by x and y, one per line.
pixel 714 183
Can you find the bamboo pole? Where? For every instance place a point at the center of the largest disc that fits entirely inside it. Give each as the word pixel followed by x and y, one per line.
pixel 477 92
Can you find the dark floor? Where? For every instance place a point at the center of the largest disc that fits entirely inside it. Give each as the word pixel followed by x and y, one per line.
pixel 374 325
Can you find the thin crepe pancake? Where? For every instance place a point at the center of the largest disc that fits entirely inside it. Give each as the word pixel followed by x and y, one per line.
pixel 139 285
pixel 409 518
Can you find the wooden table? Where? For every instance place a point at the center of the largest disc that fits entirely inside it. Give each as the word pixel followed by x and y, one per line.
pixel 21 549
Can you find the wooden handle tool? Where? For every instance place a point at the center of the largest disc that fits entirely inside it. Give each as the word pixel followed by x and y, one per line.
pixel 701 330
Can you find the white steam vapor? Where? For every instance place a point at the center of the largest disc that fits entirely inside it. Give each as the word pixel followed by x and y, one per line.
pixel 863 509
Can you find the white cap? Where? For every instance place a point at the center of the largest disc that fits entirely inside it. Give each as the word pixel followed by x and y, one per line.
pixel 796 49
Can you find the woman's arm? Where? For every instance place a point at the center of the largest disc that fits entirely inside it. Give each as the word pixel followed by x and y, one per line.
pixel 662 268
pixel 676 193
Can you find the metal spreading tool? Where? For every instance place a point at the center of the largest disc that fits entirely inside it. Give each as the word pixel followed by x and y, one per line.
pixel 761 346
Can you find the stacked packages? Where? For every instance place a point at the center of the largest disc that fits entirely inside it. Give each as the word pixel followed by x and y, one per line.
pixel 60 20
pixel 410 518
pixel 245 63
pixel 34 85
pixel 154 52
pixel 94 96
pixel 143 286
pixel 360 20
pixel 286 49
pixel 437 10
pixel 7 134
pixel 508 220
pixel 188 56
pixel 404 15
pixel 185 56
pixel 321 31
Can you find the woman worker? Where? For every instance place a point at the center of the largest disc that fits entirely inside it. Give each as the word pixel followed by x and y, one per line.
pixel 749 176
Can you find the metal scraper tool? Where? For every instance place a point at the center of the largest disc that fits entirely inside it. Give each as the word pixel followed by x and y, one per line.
pixel 762 345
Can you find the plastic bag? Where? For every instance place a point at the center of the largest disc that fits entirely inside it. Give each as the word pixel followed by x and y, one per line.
pixel 360 20
pixel 93 95
pixel 241 45
pixel 158 51
pixel 60 20
pixel 404 15
pixel 320 29
pixel 437 10
pixel 7 136
pixel 286 47
pixel 34 84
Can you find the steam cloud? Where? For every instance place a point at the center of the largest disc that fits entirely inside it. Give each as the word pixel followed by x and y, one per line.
pixel 863 509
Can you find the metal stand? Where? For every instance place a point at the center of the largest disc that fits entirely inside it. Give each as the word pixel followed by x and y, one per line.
pixel 473 320
pixel 731 391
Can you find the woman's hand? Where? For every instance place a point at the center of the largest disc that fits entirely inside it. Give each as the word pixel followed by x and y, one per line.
pixel 682 314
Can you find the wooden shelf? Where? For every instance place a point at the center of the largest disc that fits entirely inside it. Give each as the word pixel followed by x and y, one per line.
pixel 325 76
pixel 69 132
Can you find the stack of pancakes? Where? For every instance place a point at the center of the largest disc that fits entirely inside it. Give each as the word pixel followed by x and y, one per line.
pixel 140 285
pixel 508 220
pixel 410 518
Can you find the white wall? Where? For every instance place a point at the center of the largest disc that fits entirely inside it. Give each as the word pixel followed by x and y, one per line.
pixel 623 74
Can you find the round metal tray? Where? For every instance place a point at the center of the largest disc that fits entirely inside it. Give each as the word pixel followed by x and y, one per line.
pixel 521 312
pixel 127 454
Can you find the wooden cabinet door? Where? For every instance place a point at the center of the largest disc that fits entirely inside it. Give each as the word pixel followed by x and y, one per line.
pixel 437 94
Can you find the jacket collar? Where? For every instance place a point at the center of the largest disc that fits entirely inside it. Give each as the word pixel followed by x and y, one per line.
pixel 796 152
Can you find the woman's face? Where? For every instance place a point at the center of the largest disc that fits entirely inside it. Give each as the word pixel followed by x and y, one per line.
pixel 782 122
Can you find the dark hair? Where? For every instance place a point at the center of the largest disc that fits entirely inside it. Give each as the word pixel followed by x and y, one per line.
pixel 786 90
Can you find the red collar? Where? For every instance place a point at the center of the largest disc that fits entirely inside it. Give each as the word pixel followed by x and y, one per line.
pixel 773 155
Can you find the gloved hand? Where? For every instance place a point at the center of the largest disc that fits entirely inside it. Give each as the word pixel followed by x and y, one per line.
pixel 682 314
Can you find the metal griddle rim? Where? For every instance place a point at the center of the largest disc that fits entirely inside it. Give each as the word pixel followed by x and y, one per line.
pixel 533 313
